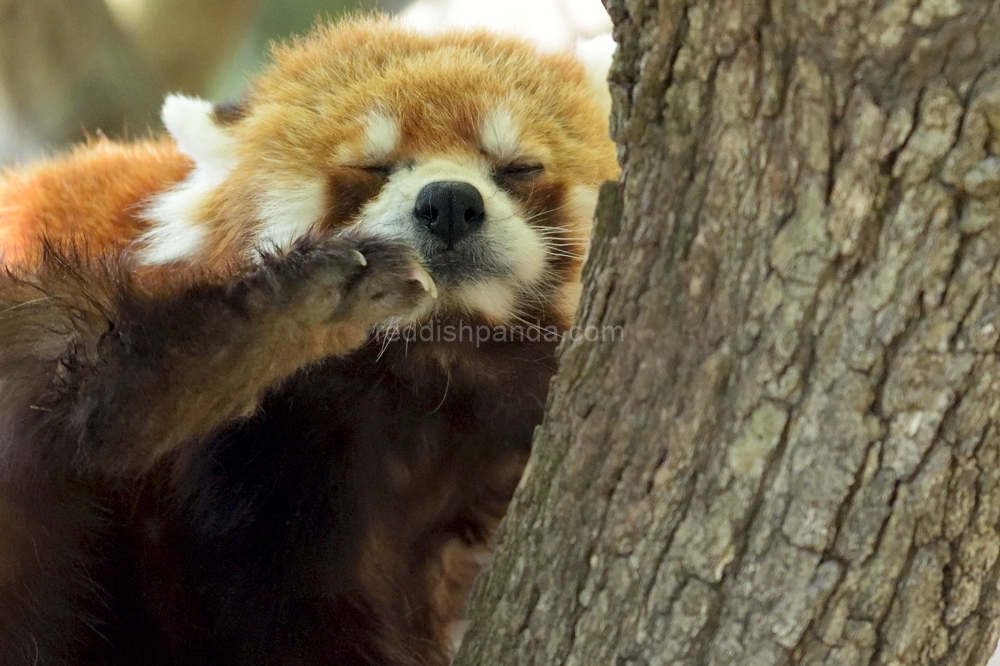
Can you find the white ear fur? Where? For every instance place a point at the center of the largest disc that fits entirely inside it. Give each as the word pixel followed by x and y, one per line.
pixel 596 54
pixel 176 230
pixel 191 123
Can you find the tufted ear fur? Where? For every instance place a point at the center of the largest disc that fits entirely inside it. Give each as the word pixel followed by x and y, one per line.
pixel 193 125
pixel 596 55
pixel 176 231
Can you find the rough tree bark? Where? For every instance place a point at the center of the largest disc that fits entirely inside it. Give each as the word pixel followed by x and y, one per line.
pixel 794 456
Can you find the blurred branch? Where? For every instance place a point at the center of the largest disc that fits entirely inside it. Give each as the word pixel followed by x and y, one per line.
pixel 73 66
pixel 185 41
pixel 66 66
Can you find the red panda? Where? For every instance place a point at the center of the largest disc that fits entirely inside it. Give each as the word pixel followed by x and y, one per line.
pixel 248 413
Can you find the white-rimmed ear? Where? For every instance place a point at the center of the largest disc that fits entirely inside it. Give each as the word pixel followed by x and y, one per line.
pixel 596 54
pixel 191 122
pixel 177 230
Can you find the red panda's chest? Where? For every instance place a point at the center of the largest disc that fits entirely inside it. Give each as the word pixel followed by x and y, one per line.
pixel 359 497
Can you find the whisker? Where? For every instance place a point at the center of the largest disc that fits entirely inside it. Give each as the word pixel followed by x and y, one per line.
pixel 445 396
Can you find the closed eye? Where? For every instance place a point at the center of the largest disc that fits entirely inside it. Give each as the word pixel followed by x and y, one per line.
pixel 378 170
pixel 518 170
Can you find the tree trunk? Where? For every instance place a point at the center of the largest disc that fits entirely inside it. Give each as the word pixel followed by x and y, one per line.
pixel 793 456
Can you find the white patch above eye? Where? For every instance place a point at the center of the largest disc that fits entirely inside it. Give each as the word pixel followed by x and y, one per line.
pixel 500 134
pixel 289 211
pixel 381 135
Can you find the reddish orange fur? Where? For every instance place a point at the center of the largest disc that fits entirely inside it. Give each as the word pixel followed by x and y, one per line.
pixel 305 121
pixel 91 198
pixel 340 73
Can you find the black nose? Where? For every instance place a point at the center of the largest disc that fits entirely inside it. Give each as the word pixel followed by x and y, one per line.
pixel 450 209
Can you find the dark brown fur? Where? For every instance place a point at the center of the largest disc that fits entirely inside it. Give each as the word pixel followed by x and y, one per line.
pixel 152 514
pixel 107 392
pixel 227 113
pixel 349 189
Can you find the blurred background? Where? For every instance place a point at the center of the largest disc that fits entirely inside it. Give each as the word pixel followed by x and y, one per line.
pixel 72 68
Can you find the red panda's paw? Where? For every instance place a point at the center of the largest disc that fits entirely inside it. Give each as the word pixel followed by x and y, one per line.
pixel 337 282
pixel 393 285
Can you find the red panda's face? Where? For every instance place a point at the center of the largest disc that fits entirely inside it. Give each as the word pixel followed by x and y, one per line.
pixel 476 150
pixel 501 227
